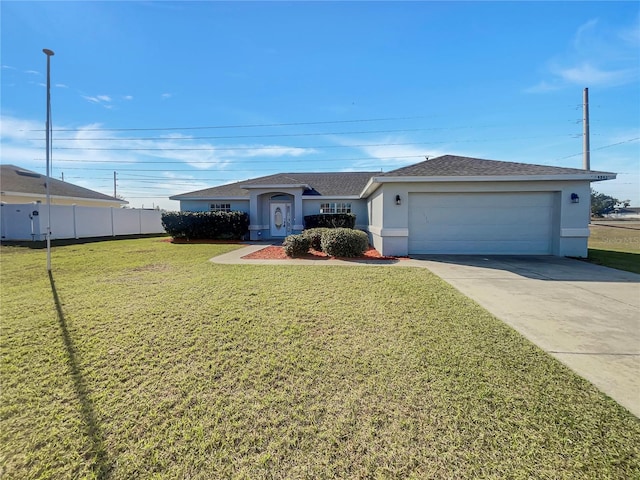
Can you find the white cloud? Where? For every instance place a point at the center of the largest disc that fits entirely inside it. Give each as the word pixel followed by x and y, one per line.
pixel 12 128
pixel 597 56
pixel 32 72
pixel 584 35
pixel 544 87
pixel 631 35
pixel 61 85
pixel 88 155
pixel 588 74
pixel 103 100
pixel 127 97
pixel 165 96
pixel 245 151
pixel 91 99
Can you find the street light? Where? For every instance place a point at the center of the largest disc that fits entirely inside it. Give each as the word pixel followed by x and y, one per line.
pixel 49 54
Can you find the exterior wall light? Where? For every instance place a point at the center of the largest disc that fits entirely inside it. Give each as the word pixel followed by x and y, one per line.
pixel 398 200
pixel 575 198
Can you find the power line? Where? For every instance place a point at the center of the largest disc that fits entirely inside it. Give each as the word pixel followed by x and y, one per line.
pixel 602 148
pixel 204 162
pixel 228 126
pixel 277 147
pixel 300 147
pixel 276 135
pixel 245 161
pixel 218 137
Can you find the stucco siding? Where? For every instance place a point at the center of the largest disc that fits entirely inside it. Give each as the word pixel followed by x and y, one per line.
pixel 375 211
pixel 205 205
pixel 358 207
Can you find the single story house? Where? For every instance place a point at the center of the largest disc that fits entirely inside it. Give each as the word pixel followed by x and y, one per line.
pixel 445 205
pixel 20 186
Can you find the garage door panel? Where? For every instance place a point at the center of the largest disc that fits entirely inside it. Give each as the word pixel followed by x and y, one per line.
pixel 478 223
pixel 478 200
pixel 482 248
pixel 485 216
pixel 487 234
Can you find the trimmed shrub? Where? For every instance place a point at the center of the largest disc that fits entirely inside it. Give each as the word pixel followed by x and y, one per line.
pixel 296 245
pixel 330 220
pixel 206 225
pixel 315 237
pixel 344 242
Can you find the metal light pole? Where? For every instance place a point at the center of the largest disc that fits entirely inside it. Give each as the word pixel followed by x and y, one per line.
pixel 586 149
pixel 49 54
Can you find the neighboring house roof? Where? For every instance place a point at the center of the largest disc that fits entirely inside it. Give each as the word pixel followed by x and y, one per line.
pixel 362 184
pixel 16 180
pixel 325 184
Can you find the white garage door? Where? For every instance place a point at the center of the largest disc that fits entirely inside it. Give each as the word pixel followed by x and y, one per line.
pixel 481 223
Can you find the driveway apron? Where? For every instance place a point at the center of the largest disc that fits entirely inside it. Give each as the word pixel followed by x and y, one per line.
pixel 585 315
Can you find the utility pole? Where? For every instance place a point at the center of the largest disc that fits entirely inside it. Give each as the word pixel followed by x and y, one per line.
pixel 586 163
pixel 63 176
pixel 49 54
pixel 114 184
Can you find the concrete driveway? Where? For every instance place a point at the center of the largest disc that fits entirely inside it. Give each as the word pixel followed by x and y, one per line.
pixel 586 316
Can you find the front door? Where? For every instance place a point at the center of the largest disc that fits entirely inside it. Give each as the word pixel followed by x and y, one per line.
pixel 280 219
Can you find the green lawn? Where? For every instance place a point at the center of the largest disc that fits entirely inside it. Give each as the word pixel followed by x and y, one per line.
pixel 615 244
pixel 141 359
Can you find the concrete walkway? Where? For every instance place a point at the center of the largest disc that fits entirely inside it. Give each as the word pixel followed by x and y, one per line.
pixel 585 315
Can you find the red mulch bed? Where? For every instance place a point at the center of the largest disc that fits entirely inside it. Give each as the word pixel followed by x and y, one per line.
pixel 273 252
pixel 277 253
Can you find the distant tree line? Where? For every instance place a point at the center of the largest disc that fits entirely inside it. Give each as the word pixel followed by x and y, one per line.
pixel 602 204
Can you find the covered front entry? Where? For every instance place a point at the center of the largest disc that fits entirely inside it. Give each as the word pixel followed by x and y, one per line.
pixel 280 219
pixel 481 223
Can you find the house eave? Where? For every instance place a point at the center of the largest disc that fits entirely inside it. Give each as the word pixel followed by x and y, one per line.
pixel 207 198
pixel 330 197
pixel 370 187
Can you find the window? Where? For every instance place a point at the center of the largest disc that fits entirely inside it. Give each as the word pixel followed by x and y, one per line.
pixel 339 207
pixel 220 207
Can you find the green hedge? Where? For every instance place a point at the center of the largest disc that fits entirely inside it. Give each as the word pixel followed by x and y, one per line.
pixel 315 237
pixel 344 242
pixel 296 245
pixel 336 242
pixel 206 225
pixel 330 220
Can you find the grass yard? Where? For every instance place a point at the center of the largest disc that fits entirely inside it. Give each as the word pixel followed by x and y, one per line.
pixel 141 359
pixel 615 244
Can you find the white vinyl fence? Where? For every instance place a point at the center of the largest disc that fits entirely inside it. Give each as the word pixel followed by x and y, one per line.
pixel 28 221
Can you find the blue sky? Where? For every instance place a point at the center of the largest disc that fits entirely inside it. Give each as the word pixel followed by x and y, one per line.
pixel 179 96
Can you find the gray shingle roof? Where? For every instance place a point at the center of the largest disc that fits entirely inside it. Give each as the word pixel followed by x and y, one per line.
pixel 353 183
pixel 325 184
pixel 452 165
pixel 20 180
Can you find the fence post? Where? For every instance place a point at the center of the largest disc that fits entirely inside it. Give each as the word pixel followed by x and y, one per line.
pixel 75 222
pixel 3 228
